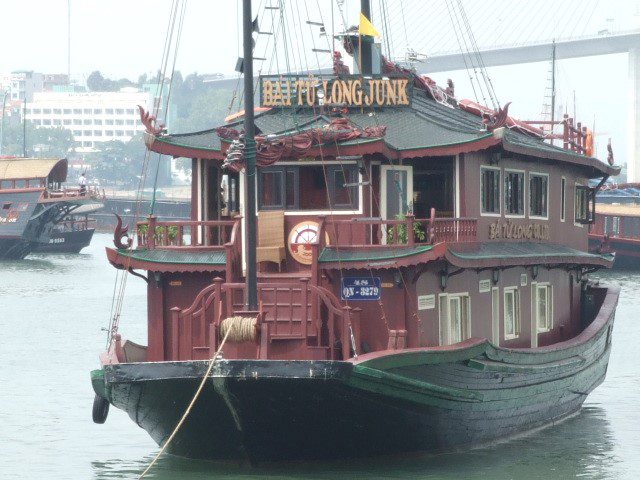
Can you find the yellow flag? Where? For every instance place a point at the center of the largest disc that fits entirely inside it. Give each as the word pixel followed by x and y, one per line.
pixel 366 28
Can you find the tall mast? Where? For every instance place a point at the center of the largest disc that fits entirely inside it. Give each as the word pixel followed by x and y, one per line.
pixel 365 41
pixel 249 157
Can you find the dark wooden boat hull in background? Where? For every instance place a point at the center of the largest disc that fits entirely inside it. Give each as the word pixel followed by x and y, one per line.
pixel 382 403
pixel 627 250
pixel 66 242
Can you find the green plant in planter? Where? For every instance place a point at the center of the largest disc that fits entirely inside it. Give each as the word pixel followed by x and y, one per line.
pixel 172 232
pixel 419 234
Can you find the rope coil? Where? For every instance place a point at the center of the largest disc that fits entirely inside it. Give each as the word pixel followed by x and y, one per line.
pixel 239 329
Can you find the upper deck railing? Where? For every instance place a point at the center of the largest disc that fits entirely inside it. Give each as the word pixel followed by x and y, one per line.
pixel 364 232
pixel 189 234
pixel 73 193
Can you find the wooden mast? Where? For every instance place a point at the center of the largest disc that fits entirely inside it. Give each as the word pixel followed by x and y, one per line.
pixel 249 157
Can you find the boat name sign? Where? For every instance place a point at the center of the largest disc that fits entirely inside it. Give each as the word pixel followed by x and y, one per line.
pixel 349 91
pixel 509 230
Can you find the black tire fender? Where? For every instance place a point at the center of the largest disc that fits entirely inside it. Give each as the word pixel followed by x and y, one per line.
pixel 100 409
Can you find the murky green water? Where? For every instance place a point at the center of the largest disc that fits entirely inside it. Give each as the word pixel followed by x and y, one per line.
pixel 52 309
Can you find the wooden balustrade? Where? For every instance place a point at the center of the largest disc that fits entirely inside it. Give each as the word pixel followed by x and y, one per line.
pixel 367 232
pixel 295 311
pixel 204 235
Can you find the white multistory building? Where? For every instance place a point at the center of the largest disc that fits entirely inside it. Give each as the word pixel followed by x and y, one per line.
pixel 92 117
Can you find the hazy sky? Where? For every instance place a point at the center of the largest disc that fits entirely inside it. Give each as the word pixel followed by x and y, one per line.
pixel 124 38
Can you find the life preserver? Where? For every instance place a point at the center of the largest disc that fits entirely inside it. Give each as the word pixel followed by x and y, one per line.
pixel 300 239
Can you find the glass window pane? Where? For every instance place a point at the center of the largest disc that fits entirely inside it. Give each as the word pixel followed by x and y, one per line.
pixel 454 319
pixel 509 321
pixel 271 189
pixel 313 189
pixel 291 189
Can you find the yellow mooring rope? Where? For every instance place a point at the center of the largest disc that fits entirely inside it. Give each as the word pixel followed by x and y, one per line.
pixel 188 410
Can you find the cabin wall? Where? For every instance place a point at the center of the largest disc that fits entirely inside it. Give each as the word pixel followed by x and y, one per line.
pixel 165 291
pixel 565 301
pixel 565 232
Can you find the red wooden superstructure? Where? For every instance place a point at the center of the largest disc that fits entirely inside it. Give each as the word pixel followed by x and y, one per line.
pixel 462 227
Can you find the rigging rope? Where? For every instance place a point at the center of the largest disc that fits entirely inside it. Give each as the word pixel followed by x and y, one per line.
pixel 212 362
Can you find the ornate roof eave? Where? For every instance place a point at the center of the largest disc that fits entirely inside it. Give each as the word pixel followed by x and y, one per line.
pixel 462 255
pixel 598 168
pixel 122 261
pixel 158 144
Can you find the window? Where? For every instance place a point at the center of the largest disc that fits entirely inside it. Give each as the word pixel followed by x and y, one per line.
pixel 130 133
pixel 119 133
pixel 490 190
pixel 87 144
pixel 77 111
pixel 455 318
pixel 109 133
pixel 130 111
pixel 57 111
pixel 77 121
pixel 66 111
pixel 511 313
pixel 583 204
pixel 563 198
pixel 57 121
pixel 119 111
pixel 97 121
pixel 87 121
pixel 305 187
pixel 119 122
pixel 538 195
pixel 514 193
pixel 97 133
pixel 66 121
pixel 46 111
pixel 97 111
pixel 108 122
pixel 87 111
pixel 544 307
pixel 87 133
pixel 129 122
pixel 77 133
pixel 36 111
pixel 46 122
pixel 109 111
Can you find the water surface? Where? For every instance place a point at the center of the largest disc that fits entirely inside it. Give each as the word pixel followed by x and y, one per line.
pixel 53 309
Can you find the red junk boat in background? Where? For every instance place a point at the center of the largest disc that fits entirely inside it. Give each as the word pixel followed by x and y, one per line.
pixel 422 285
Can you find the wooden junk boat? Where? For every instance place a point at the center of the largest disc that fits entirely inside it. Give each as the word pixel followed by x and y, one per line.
pixel 33 201
pixel 422 278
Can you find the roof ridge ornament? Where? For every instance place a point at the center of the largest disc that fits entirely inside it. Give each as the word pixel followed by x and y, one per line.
pixel 151 123
pixel 496 120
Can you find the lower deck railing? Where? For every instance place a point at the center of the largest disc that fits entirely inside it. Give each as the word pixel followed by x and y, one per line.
pixel 307 316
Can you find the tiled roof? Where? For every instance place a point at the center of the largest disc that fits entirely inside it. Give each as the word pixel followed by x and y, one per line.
pixel 332 254
pixel 518 253
pixel 215 257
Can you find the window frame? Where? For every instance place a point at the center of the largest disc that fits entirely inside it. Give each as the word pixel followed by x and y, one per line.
pixel 499 184
pixel 506 172
pixel 331 169
pixel 532 175
pixel 444 315
pixel 517 310
pixel 590 197
pixel 549 309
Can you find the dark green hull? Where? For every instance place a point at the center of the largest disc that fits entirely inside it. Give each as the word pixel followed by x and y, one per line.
pixel 384 403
